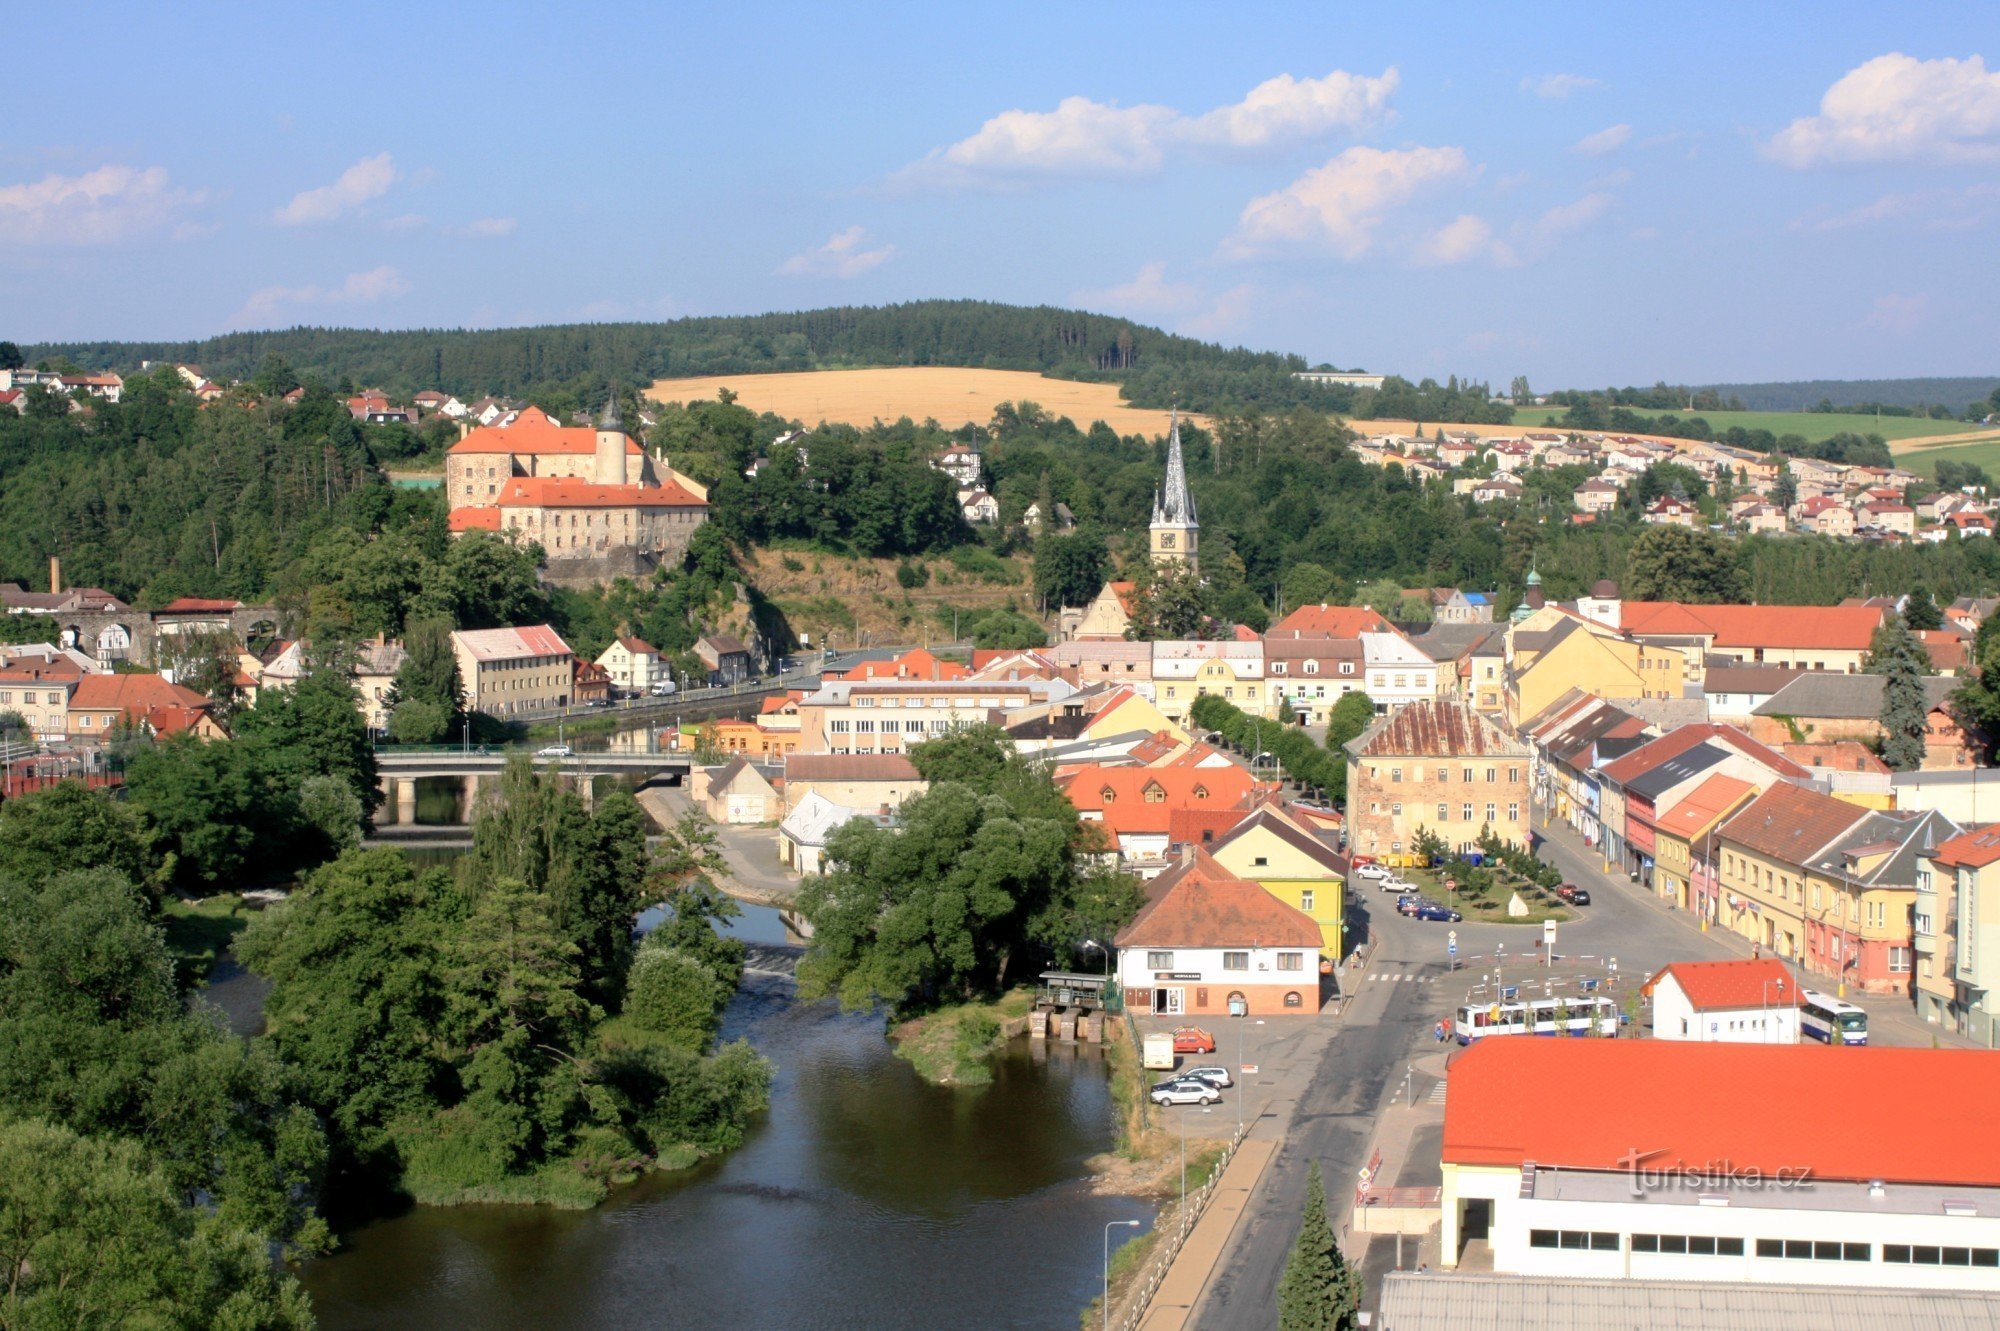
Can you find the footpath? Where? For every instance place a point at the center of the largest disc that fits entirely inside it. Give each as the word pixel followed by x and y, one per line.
pixel 1173 1303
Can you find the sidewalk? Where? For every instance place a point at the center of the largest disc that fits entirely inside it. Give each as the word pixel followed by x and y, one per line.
pixel 1173 1304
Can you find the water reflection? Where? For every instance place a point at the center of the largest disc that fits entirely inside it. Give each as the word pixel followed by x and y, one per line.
pixel 868 1199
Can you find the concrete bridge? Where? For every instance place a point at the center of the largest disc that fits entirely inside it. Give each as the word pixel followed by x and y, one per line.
pixel 399 770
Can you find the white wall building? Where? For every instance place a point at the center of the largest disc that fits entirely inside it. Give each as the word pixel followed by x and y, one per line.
pixel 1726 1002
pixel 1663 1160
pixel 1397 670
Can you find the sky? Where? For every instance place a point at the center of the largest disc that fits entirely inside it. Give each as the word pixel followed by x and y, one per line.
pixel 1733 193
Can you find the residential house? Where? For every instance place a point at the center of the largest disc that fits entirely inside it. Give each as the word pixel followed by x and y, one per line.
pixel 1553 651
pixel 591 685
pixel 960 463
pixel 979 507
pixel 1331 621
pixel 514 671
pixel 727 658
pixel 1186 670
pixel 1034 520
pixel 1634 790
pixel 375 667
pixel 1289 861
pixel 1825 515
pixel 853 780
pixel 803 835
pixel 146 703
pixel 1088 661
pixel 1463 607
pixel 1815 637
pixel 634 664
pixel 1726 1002
pixel 1496 488
pixel 1824 707
pixel 1145 812
pixel 1671 511
pixel 39 693
pixel 1684 871
pixel 1734 691
pixel 1765 518
pixel 1895 518
pixel 1311 674
pixel 1438 765
pixel 736 793
pixel 1208 943
pixel 1397 671
pixel 1956 933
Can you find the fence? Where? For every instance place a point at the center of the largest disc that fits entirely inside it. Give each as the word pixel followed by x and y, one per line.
pixel 1139 1295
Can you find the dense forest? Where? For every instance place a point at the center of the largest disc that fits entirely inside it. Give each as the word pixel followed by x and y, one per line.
pixel 1154 368
pixel 1914 395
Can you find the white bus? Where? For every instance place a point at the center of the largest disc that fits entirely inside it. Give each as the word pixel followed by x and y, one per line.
pixel 1537 1016
pixel 1830 1020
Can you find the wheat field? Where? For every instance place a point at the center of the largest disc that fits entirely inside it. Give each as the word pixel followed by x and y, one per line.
pixel 949 396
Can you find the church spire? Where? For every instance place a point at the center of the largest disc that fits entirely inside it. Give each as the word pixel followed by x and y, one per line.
pixel 1172 504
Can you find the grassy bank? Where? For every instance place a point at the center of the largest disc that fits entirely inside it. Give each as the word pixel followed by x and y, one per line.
pixel 1138 1138
pixel 952 1046
pixel 1129 1261
pixel 199 931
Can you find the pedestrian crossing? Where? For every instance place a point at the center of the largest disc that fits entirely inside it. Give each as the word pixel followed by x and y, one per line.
pixel 1437 1094
pixel 1399 977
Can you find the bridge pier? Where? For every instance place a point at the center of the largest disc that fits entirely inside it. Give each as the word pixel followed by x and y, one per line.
pixel 586 790
pixel 406 801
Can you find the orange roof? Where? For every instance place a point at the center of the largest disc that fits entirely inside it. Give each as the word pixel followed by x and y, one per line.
pixel 1330 621
pixel 574 492
pixel 198 605
pixel 1972 850
pixel 1791 823
pixel 1843 1117
pixel 1205 905
pixel 1831 627
pixel 170 720
pixel 1732 984
pixel 915 664
pixel 1199 827
pixel 1946 649
pixel 1843 755
pixel 478 517
pixel 533 431
pixel 133 694
pixel 1706 803
pixel 1121 794
pixel 1676 742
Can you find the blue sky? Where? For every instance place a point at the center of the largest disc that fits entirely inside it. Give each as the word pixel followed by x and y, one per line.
pixel 1735 192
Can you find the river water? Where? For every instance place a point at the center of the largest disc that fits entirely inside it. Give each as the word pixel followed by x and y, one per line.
pixel 866 1199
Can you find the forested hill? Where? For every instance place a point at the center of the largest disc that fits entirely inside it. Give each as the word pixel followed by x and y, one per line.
pixel 1806 394
pixel 1155 367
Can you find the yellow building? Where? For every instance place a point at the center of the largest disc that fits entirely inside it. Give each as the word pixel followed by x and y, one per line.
pixel 1232 671
pixel 1292 865
pixel 1551 652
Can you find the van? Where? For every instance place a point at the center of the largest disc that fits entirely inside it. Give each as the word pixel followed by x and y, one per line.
pixel 1158 1051
pixel 663 688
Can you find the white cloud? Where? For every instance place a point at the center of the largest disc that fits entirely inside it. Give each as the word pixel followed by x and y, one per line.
pixel 1341 204
pixel 485 227
pixel 1558 87
pixel 1956 209
pixel 1898 315
pixel 369 178
pixel 1604 141
pixel 841 256
pixel 101 207
pixel 1461 240
pixel 377 284
pixel 1896 108
pixel 1565 218
pixel 1150 292
pixel 1083 138
pixel 1229 313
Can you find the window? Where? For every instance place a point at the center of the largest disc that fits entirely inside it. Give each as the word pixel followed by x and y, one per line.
pixel 1899 960
pixel 1491 776
pixel 1815 1250
pixel 839 727
pixel 1689 1245
pixel 1489 813
pixel 1904 1254
pixel 1159 961
pixel 1573 1239
pixel 1347 667
pixel 1305 902
pixel 1513 813
pixel 1396 776
pixel 1236 961
pixel 1291 961
pixel 1514 775
pixel 1465 813
pixel 1444 812
pixel 1396 809
pixel 1467 776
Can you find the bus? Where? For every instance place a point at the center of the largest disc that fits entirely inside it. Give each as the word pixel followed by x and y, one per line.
pixel 1830 1020
pixel 1537 1016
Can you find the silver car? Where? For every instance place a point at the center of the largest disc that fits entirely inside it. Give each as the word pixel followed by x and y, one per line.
pixel 1214 1075
pixel 1186 1091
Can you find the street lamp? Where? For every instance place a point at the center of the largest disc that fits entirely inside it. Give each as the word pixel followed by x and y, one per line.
pixel 1767 1004
pixel 1108 1227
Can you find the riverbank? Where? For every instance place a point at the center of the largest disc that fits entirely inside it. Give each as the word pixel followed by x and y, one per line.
pixel 954 1046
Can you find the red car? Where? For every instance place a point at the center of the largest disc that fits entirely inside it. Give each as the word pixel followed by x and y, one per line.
pixel 1193 1040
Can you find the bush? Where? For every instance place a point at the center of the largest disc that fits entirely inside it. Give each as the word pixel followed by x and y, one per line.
pixel 673 994
pixel 910 576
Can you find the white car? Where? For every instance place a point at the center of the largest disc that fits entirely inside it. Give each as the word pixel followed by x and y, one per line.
pixel 554 751
pixel 1371 871
pixel 1184 1091
pixel 1395 885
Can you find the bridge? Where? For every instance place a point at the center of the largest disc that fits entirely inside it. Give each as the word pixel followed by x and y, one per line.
pixel 411 764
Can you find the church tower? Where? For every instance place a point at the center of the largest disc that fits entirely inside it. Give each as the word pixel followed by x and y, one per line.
pixel 609 466
pixel 1176 533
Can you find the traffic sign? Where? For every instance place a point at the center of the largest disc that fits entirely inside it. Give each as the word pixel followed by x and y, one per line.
pixel 1451 949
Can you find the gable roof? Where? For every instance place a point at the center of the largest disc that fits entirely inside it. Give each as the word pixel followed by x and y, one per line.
pixel 1819 695
pixel 850 767
pixel 1713 985
pixel 534 431
pixel 1514 1101
pixel 1827 627
pixel 1971 850
pixel 1271 819
pixel 474 517
pixel 1436 728
pixel 1204 905
pixel 1791 823
pixel 1330 621
pixel 1679 741
pixel 509 644
pixel 1701 807
pixel 133 694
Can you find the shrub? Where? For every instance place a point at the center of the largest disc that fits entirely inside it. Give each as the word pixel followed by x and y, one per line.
pixel 675 995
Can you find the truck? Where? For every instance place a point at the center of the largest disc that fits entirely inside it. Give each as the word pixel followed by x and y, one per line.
pixel 1158 1051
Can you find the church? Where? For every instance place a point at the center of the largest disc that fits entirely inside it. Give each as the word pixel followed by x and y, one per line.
pixel 1175 540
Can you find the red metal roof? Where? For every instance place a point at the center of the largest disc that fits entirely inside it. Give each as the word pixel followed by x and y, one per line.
pixel 1704 804
pixel 1438 727
pixel 1711 985
pixel 1828 627
pixel 1843 1115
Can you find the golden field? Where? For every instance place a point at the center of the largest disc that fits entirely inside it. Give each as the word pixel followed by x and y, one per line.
pixel 949 396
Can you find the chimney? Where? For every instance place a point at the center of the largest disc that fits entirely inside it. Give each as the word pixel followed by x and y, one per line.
pixel 55 576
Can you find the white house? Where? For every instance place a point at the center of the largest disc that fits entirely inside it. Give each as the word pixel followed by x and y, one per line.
pixel 1678 1160
pixel 978 506
pixel 1397 671
pixel 1726 1002
pixel 1210 943
pixel 802 837
pixel 634 664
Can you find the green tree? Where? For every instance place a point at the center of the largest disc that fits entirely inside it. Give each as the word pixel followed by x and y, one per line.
pixel 92 1236
pixel 675 995
pixel 1921 613
pixel 10 356
pixel 1172 602
pixel 1307 584
pixel 1351 715
pixel 1977 699
pixel 69 826
pixel 313 728
pixel 1070 569
pixel 1896 655
pixel 427 684
pixel 201 807
pixel 1318 1291
pixel 1683 564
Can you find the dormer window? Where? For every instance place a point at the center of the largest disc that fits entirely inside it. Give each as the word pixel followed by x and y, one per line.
pixel 1201 792
pixel 1155 794
pixel 1108 795
pixel 1312 667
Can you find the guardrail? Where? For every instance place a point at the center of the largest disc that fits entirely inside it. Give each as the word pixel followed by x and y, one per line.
pixel 1139 1296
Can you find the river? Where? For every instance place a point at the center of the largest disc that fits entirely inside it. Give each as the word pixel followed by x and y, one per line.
pixel 866 1199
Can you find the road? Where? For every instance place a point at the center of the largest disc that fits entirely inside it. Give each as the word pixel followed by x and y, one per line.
pixel 1387 1027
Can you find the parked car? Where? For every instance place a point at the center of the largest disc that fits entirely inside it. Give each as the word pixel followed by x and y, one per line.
pixel 553 751
pixel 1574 895
pixel 1371 871
pixel 1430 910
pixel 1185 1091
pixel 1193 1040
pixel 1408 905
pixel 1213 1074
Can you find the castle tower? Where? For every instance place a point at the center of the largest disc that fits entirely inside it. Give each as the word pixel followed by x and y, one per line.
pixel 611 441
pixel 1176 533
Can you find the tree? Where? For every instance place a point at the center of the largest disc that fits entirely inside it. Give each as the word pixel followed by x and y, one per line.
pixel 313 728
pixel 1921 613
pixel 1785 490
pixel 202 809
pixel 1977 700
pixel 1318 1290
pixel 1683 564
pixel 974 756
pixel 10 356
pixel 675 995
pixel 1351 715
pixel 275 377
pixel 1069 569
pixel 427 684
pixel 1306 584
pixel 69 827
pixel 1172 602
pixel 92 1235
pixel 1008 630
pixel 1896 655
pixel 1519 391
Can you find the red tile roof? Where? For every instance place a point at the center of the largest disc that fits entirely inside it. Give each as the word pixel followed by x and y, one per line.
pixel 575 492
pixel 1673 744
pixel 1829 627
pixel 131 694
pixel 1791 823
pixel 1710 985
pixel 1844 755
pixel 1205 905
pixel 1844 1117
pixel 1201 827
pixel 477 517
pixel 533 431
pixel 1330 621
pixel 638 646
pixel 917 664
pixel 198 605
pixel 1971 850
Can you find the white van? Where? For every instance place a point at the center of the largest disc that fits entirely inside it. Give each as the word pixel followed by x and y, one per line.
pixel 663 689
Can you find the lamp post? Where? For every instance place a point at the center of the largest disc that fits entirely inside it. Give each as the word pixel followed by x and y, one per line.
pixel 1767 1004
pixel 1108 1227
